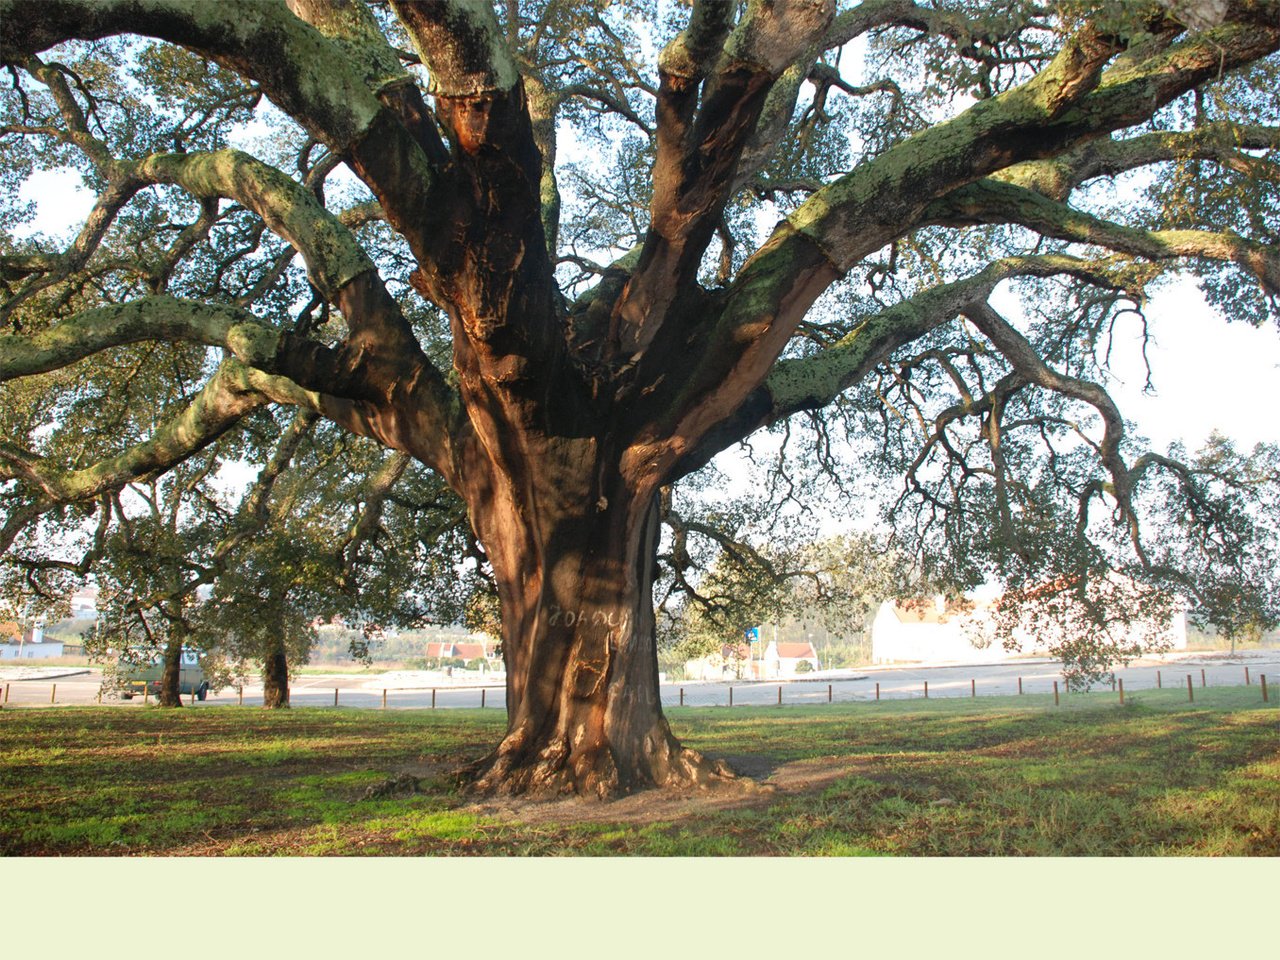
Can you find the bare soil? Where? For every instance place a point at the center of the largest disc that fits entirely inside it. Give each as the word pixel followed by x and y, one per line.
pixel 761 781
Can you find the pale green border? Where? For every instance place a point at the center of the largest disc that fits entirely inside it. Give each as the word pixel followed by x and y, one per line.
pixel 658 908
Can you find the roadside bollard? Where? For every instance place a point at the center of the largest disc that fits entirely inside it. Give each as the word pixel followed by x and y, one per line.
pixel 1056 702
pixel 335 696
pixel 1191 697
pixel 1122 693
pixel 1159 683
pixel 973 687
pixel 6 693
pixel 926 689
pixel 384 699
pixel 1246 677
pixel 731 696
pixel 828 693
pixel 482 692
pixel 779 694
pixel 1019 686
pixel 682 696
pixel 1203 682
pixel 1263 678
pixel 433 698
pixel 877 689
pixel 53 694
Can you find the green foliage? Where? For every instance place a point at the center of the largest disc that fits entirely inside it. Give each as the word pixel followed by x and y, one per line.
pixel 979 473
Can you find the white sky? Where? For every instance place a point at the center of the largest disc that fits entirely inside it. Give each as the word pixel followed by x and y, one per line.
pixel 1208 374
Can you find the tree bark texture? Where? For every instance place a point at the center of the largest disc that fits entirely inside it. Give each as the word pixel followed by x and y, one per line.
pixel 573 558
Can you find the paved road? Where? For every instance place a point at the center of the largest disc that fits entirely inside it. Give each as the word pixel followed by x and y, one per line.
pixel 895 683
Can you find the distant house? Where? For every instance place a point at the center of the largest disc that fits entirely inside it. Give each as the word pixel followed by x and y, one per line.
pixel 782 660
pixel 961 631
pixel 927 632
pixel 32 646
pixel 468 650
pixel 731 662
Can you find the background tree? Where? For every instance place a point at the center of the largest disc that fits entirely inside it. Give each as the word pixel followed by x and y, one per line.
pixel 753 230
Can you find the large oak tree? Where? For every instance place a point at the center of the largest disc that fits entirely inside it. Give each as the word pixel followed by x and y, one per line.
pixel 788 208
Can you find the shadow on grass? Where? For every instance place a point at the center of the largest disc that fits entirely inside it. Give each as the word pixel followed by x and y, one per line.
pixel 1013 776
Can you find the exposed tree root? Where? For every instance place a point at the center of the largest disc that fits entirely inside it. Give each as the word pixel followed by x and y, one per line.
pixel 595 772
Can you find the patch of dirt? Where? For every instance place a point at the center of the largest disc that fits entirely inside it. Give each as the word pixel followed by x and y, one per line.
pixel 762 781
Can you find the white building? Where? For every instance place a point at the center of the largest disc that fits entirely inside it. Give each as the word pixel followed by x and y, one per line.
pixel 30 646
pixel 84 603
pixel 783 659
pixel 940 631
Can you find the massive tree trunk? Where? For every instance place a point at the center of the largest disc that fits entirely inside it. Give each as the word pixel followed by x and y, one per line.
pixel 573 551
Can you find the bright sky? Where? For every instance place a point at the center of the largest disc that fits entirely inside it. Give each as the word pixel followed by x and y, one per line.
pixel 1208 374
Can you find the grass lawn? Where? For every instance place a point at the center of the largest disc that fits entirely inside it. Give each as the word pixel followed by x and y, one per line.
pixel 997 776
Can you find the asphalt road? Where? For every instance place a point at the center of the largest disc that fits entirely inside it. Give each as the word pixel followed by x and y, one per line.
pixel 405 692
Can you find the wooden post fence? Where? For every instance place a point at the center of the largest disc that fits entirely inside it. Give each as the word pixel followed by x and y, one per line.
pixel 1122 692
pixel 1019 686
pixel 877 690
pixel 384 699
pixel 828 693
pixel 1159 684
pixel 973 687
pixel 1191 696
pixel 682 696
pixel 779 694
pixel 1056 702
pixel 731 696
pixel 1203 682
pixel 1246 677
pixel 53 694
pixel 433 698
pixel 335 696
pixel 6 693
pixel 926 689
pixel 1263 678
pixel 482 693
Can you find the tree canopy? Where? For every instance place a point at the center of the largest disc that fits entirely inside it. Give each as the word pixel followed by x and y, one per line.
pixel 540 262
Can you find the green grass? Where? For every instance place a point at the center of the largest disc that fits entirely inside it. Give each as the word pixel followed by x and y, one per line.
pixel 999 776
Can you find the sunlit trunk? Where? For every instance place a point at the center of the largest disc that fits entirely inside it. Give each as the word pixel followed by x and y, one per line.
pixel 574 570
